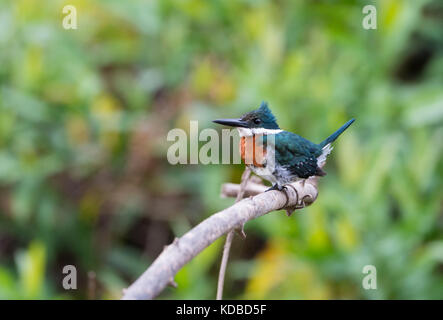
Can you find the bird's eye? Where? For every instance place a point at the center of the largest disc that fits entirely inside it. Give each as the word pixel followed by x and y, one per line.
pixel 257 121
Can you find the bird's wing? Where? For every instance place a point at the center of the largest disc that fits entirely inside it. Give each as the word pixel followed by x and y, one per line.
pixel 297 154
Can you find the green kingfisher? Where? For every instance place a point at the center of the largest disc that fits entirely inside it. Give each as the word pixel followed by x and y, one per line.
pixel 279 156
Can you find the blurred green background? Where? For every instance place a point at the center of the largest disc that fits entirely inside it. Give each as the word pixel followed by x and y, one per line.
pixel 84 178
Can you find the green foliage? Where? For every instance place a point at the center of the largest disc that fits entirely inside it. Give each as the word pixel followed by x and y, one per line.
pixel 84 178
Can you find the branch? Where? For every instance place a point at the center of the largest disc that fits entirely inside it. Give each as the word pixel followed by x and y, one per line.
pixel 182 250
pixel 228 242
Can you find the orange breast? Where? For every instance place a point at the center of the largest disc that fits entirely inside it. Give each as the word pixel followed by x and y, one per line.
pixel 252 151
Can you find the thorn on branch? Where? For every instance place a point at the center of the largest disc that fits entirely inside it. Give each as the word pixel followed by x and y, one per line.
pixel 172 283
pixel 290 211
pixel 241 232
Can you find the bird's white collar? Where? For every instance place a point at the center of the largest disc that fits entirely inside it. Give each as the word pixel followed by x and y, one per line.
pixel 247 132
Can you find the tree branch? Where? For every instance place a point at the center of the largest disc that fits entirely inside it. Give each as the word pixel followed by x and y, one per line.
pixel 228 242
pixel 184 249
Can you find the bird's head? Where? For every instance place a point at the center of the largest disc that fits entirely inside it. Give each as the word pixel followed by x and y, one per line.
pixel 259 121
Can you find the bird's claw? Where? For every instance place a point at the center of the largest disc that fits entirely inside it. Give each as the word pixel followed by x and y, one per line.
pixel 276 187
pixel 290 210
pixel 284 188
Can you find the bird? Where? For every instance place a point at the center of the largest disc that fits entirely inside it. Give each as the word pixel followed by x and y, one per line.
pixel 278 156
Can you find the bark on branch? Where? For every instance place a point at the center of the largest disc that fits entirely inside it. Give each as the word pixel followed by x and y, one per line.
pixel 162 271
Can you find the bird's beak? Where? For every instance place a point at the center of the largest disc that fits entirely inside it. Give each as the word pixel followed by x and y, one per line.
pixel 232 122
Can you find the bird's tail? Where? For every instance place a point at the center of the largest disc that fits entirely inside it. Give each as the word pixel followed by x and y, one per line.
pixel 335 135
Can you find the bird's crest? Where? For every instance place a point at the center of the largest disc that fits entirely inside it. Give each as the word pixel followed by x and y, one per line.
pixel 264 115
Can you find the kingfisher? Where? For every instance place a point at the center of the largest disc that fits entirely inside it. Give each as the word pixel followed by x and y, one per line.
pixel 279 156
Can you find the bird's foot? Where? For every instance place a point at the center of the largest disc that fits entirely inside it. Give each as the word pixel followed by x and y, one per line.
pixel 298 205
pixel 283 189
pixel 276 187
